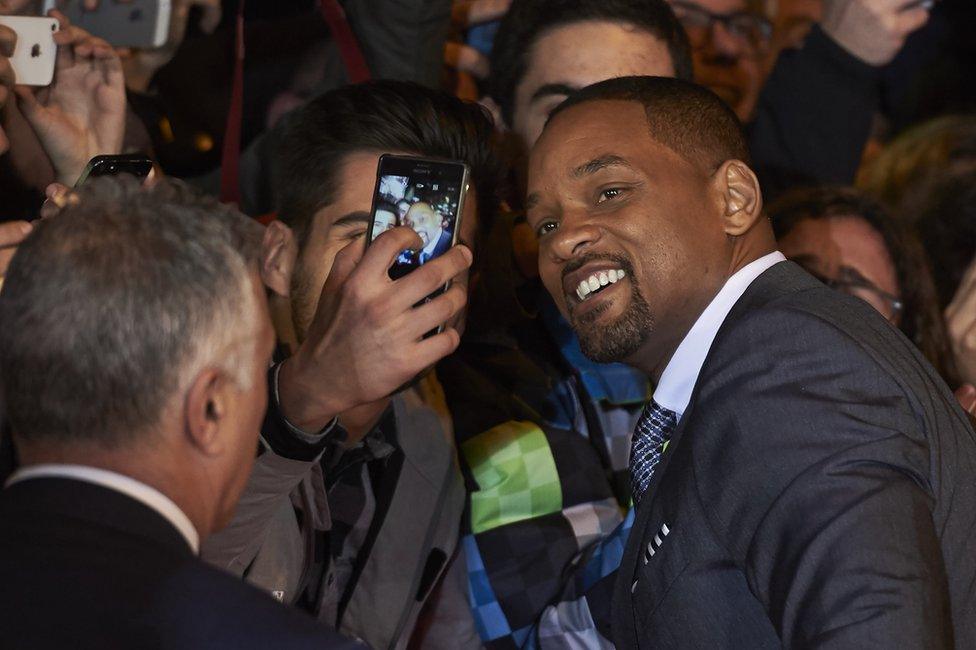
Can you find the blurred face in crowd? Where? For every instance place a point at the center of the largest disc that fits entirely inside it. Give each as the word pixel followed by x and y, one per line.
pixel 728 43
pixel 576 55
pixel 343 222
pixel 631 242
pixel 425 220
pixel 792 23
pixel 402 208
pixel 850 255
pixel 385 220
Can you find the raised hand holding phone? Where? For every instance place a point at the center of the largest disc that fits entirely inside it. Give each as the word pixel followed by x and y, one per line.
pixel 366 339
pixel 82 113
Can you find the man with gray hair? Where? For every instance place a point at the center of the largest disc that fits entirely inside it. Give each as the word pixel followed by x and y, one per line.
pixel 133 354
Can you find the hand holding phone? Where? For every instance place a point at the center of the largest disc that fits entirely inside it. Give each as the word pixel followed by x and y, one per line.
pixel 81 114
pixel 366 337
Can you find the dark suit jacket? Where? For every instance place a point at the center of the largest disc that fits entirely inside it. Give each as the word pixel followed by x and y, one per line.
pixel 443 243
pixel 819 491
pixel 82 566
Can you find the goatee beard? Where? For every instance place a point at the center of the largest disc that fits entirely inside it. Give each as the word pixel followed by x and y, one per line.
pixel 618 340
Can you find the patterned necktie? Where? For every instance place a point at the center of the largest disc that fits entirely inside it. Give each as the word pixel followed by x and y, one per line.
pixel 654 428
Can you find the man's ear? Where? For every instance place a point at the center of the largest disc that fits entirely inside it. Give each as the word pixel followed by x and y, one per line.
pixel 279 253
pixel 740 195
pixel 206 408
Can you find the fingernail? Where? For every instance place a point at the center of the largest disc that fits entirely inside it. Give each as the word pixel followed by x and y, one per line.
pixel 26 227
pixel 468 255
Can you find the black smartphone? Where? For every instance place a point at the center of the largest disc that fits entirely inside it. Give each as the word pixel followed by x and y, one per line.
pixel 425 194
pixel 126 163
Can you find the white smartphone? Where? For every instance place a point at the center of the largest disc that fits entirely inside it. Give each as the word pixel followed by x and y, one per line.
pixel 133 23
pixel 36 52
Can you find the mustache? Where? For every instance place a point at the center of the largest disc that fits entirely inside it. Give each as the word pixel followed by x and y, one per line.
pixel 577 263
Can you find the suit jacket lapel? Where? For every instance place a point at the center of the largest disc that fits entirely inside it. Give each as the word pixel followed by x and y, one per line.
pixel 780 278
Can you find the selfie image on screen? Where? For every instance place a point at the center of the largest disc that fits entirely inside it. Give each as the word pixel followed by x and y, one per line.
pixel 428 204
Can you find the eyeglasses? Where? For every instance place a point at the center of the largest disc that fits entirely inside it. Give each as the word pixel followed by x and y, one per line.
pixel 860 287
pixel 750 28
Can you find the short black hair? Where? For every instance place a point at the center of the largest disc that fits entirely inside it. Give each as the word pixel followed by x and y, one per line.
pixel 528 20
pixel 687 118
pixel 379 116
pixel 921 319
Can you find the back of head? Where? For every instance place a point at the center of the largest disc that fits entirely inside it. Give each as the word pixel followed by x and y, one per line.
pixel 110 307
pixel 687 118
pixel 527 20
pixel 380 116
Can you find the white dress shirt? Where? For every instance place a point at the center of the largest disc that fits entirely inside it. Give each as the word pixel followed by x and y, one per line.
pixel 130 487
pixel 678 379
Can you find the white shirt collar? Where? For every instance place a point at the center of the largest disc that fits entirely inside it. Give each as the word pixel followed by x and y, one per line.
pixel 141 492
pixel 678 379
pixel 432 244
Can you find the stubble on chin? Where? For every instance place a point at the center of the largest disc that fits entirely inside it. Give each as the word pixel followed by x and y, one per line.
pixel 619 339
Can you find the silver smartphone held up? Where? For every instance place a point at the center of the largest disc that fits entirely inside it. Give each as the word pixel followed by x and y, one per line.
pixel 36 52
pixel 427 195
pixel 134 23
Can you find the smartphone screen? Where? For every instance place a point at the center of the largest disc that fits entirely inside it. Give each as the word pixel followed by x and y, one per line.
pixel 426 195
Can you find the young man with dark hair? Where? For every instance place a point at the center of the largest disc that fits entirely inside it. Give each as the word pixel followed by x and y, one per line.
pixel 357 520
pixel 135 345
pixel 801 475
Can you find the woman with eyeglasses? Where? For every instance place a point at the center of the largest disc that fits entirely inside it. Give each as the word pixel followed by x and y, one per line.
pixel 847 240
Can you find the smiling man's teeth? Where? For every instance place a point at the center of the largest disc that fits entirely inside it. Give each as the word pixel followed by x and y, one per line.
pixel 596 281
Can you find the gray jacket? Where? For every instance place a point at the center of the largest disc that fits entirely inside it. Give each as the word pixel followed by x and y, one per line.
pixel 266 545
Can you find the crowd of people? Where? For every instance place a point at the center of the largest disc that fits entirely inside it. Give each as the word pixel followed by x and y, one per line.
pixel 691 362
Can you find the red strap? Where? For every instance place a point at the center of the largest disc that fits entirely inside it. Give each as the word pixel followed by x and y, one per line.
pixel 356 69
pixel 230 189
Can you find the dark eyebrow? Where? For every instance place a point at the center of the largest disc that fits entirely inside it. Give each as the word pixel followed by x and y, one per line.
pixel 548 90
pixel 532 200
pixel 597 164
pixel 852 274
pixel 353 218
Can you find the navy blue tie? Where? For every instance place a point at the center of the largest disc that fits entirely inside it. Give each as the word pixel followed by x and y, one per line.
pixel 653 429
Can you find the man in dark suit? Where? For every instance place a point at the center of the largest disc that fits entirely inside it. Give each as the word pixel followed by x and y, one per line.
pixel 429 224
pixel 134 350
pixel 802 477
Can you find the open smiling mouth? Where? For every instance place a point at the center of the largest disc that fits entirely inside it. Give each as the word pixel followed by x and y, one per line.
pixel 597 283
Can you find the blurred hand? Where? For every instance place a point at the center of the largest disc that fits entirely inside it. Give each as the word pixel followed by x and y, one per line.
pixel 366 338
pixel 960 318
pixel 11 234
pixel 141 64
pixel 872 30
pixel 466 13
pixel 82 113
pixel 8 39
